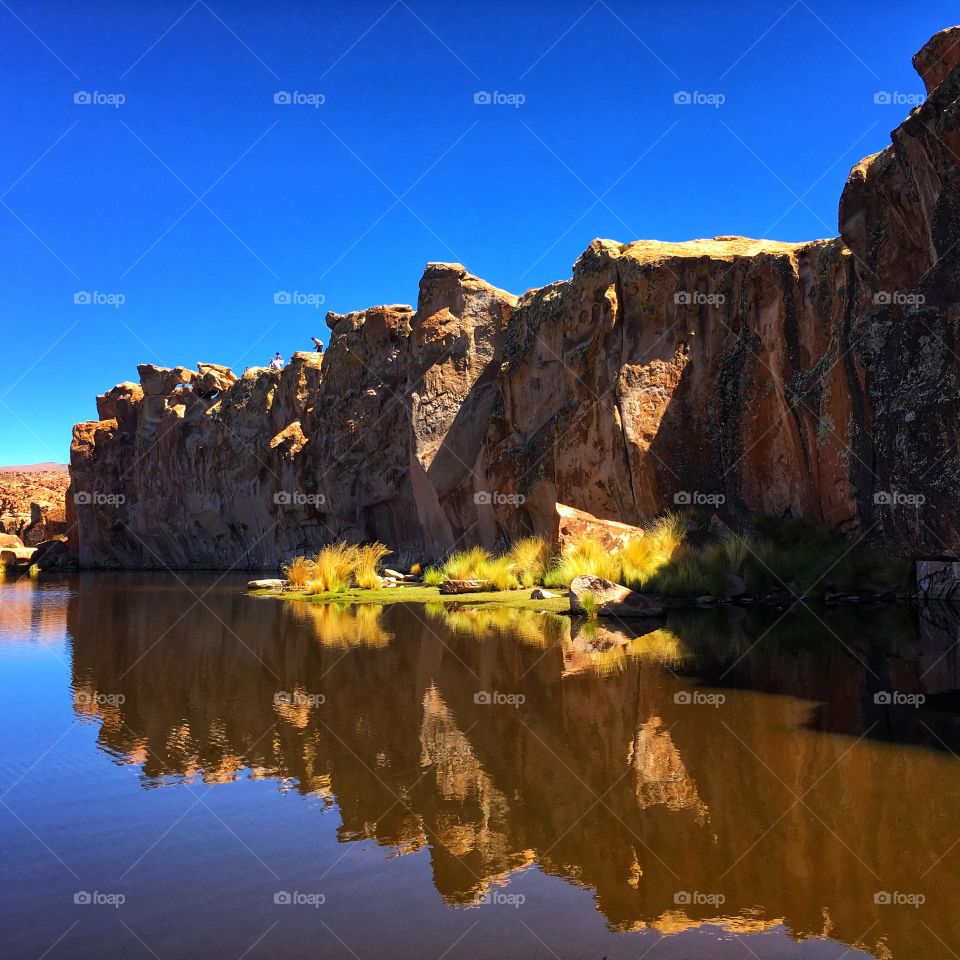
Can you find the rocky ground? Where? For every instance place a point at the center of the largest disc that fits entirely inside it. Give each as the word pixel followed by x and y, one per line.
pixel 32 501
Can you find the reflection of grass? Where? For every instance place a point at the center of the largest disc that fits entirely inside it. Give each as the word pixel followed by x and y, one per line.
pixel 345 626
pixel 530 627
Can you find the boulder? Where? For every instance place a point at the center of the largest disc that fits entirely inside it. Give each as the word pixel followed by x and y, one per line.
pixel 266 584
pixel 540 593
pixel 464 586
pixel 611 599
pixel 52 555
pixel 9 540
pixel 573 524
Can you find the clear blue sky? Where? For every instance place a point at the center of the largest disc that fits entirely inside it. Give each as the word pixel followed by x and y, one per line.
pixel 199 198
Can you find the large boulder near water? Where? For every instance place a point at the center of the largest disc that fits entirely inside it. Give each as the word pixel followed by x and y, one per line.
pixel 814 380
pixel 607 599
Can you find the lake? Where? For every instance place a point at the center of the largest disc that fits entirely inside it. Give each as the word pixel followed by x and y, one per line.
pixel 191 772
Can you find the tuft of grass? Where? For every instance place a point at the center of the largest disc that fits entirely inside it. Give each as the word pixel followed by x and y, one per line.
pixel 590 607
pixel 332 568
pixel 433 577
pixel 365 561
pixel 415 570
pixel 530 559
pixel 467 564
pixel 499 571
pixel 582 558
pixel 298 571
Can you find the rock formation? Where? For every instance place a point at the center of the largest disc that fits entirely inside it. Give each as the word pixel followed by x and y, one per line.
pixel 817 380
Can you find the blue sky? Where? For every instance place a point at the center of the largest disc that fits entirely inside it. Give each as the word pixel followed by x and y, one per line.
pixel 185 197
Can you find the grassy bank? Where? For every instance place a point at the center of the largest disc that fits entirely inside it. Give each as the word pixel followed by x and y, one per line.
pixel 506 599
pixel 679 555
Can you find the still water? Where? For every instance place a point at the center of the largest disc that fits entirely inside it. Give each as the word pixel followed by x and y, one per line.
pixel 189 772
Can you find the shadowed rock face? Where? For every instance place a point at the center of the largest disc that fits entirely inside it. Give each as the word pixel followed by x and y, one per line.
pixel 816 380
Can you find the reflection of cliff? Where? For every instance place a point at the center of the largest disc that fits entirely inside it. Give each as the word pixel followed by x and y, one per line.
pixel 608 780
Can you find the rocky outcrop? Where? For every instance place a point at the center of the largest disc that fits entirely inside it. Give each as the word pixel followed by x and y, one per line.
pixel 816 380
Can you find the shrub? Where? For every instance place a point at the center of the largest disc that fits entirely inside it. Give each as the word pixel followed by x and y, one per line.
pixel 583 557
pixel 529 559
pixel 298 571
pixel 366 559
pixel 332 568
pixel 499 571
pixel 467 564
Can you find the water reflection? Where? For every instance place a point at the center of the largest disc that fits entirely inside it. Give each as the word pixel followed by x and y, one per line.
pixel 732 768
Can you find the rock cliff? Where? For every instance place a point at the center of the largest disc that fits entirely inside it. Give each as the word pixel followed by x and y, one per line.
pixel 819 380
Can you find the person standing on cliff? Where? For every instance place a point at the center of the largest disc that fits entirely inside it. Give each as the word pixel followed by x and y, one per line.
pixel 276 363
pixel 318 344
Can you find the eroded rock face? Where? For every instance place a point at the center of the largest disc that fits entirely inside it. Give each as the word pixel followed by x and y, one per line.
pixel 817 380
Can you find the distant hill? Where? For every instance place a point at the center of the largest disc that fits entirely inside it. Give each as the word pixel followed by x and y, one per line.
pixel 36 468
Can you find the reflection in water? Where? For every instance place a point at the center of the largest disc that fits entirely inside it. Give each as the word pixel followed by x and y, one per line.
pixel 732 768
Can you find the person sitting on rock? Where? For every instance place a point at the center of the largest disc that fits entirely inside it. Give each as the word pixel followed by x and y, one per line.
pixel 318 344
pixel 276 363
